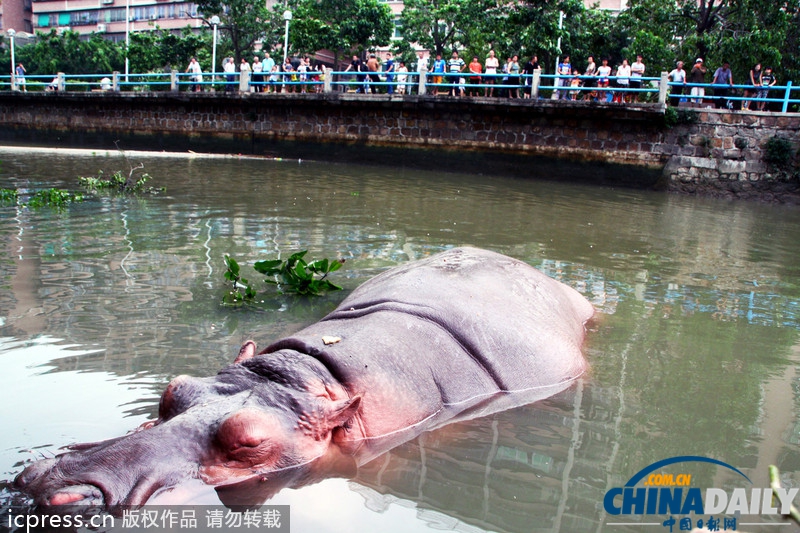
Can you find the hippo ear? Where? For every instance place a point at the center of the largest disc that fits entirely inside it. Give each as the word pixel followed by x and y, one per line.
pixel 340 412
pixel 247 351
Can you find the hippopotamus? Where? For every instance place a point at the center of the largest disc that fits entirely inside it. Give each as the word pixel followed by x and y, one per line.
pixel 454 336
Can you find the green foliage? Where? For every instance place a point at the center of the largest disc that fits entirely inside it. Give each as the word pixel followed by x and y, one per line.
pixel 117 181
pixel 160 50
pixel 151 51
pixel 54 198
pixel 239 284
pixel 57 198
pixel 446 25
pixel 242 23
pixel 778 151
pixel 8 196
pixel 68 52
pixel 741 32
pixel 293 275
pixel 343 26
pixel 674 116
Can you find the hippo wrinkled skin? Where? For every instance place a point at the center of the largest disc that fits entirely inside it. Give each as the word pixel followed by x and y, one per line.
pixel 457 335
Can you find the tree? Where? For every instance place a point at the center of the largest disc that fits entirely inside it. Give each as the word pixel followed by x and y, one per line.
pixel 341 26
pixel 241 21
pixel 445 25
pixel 158 50
pixel 741 32
pixel 67 52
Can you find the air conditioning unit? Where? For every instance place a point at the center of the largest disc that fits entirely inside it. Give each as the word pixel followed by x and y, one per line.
pixel 101 28
pixel 108 2
pixel 154 16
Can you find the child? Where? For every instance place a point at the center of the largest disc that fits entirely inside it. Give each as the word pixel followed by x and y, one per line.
pixel 575 82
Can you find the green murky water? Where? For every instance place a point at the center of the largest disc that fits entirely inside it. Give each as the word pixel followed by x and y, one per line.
pixel 693 352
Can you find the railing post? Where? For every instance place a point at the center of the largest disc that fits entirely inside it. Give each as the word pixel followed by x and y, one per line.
pixel 173 80
pixel 327 83
pixel 62 82
pixel 422 75
pixel 537 79
pixel 115 81
pixel 663 87
pixel 786 96
pixel 244 81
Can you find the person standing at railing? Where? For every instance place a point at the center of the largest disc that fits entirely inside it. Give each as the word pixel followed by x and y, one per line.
pixel 492 64
pixel 389 69
pixel 258 77
pixel 268 67
pixel 678 77
pixel 19 77
pixel 530 67
pixel 244 73
pixel 590 82
pixel 698 75
pixel 274 79
pixel 357 66
pixel 454 67
pixel 195 74
pixel 724 77
pixel 475 69
pixel 768 79
pixel 623 82
pixel 513 77
pixel 402 78
pixel 230 74
pixel 637 71
pixel 564 72
pixel 373 66
pixel 438 72
pixel 755 83
pixel 603 73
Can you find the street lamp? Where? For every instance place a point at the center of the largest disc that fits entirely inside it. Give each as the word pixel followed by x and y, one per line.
pixel 127 35
pixel 214 22
pixel 287 16
pixel 11 33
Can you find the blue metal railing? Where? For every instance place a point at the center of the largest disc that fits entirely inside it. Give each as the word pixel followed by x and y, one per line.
pixel 538 85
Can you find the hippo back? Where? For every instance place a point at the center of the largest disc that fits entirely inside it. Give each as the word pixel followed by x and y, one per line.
pixel 448 329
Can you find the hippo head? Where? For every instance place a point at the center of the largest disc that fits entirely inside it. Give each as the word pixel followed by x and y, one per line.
pixel 260 417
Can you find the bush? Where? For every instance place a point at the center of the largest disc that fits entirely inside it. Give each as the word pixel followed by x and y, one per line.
pixel 778 151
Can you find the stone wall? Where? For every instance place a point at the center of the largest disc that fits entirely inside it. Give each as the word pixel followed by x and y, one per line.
pixel 711 152
pixel 723 154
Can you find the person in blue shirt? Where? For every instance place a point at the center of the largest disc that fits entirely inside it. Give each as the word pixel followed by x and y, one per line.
pixel 564 74
pixel 438 71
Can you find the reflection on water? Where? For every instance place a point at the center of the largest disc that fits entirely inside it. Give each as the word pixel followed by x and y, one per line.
pixel 693 352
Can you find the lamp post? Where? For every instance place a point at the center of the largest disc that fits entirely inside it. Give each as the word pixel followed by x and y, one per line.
pixel 214 22
pixel 557 80
pixel 11 33
pixel 127 35
pixel 287 16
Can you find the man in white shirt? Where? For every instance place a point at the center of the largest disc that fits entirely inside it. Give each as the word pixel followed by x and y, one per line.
pixel 637 71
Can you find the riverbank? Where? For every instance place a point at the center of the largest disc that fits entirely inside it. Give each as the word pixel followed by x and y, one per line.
pixel 709 152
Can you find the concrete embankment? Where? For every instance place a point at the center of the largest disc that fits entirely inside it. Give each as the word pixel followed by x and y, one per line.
pixel 705 151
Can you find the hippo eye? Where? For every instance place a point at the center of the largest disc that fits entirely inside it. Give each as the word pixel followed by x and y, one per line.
pixel 248 438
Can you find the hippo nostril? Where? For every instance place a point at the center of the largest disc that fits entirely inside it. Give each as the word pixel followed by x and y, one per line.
pixel 34 472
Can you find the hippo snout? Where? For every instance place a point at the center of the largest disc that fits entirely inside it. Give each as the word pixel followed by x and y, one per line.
pixel 47 480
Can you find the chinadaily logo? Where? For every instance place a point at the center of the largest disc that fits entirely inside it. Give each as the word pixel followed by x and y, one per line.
pixel 674 501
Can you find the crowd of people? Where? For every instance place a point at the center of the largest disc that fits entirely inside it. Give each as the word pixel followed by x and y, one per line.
pixel 622 83
pixel 265 74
